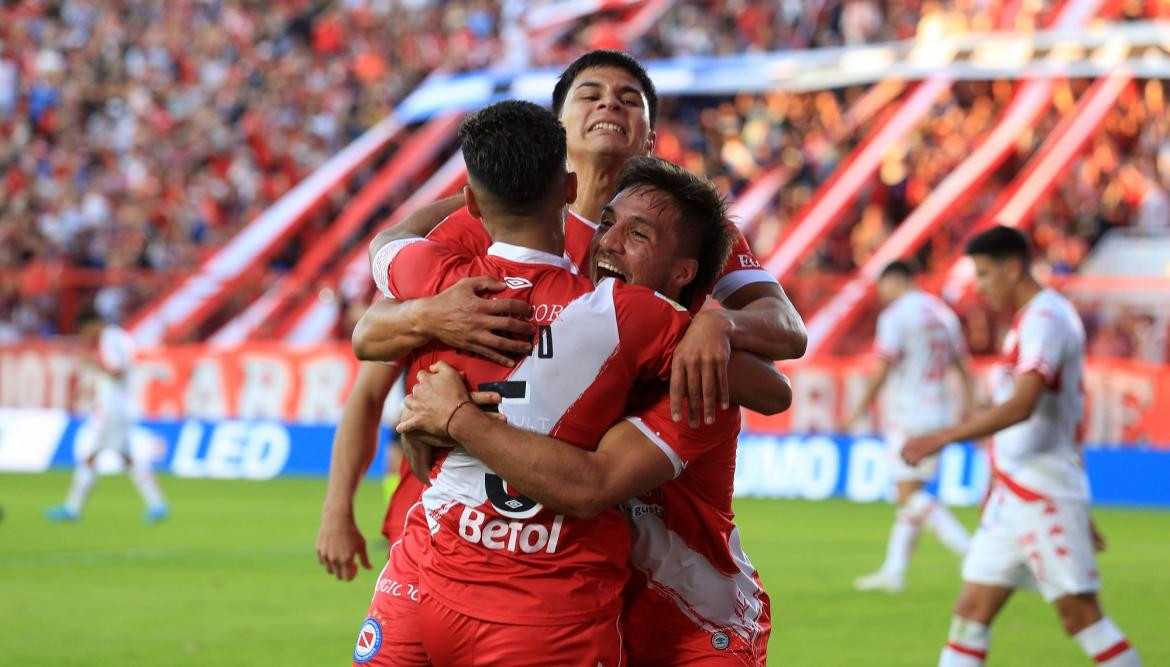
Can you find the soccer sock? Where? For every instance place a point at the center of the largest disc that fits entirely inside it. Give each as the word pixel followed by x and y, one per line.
pixel 904 533
pixel 1104 642
pixel 147 486
pixel 967 644
pixel 84 479
pixel 948 530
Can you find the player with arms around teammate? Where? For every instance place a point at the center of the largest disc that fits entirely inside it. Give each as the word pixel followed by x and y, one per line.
pixel 112 422
pixel 918 341
pixel 608 106
pixel 547 574
pixel 697 596
pixel 1036 529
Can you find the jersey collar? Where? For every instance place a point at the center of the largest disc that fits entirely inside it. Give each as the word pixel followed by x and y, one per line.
pixel 521 255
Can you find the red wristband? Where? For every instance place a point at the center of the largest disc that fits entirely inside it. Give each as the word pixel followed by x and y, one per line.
pixel 447 427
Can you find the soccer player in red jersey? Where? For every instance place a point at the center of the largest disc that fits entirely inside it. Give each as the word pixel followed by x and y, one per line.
pixel 596 93
pixel 487 544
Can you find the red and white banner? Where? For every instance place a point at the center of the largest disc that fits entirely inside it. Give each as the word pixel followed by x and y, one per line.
pixel 1128 402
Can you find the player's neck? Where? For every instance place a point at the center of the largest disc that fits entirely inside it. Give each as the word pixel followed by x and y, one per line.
pixel 1027 289
pixel 596 185
pixel 545 232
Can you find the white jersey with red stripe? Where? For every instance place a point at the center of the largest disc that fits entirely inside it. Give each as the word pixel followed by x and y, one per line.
pixel 1041 456
pixel 921 338
pixel 462 231
pixel 502 557
pixel 686 552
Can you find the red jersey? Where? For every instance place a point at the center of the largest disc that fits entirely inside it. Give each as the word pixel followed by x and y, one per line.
pixel 463 232
pixel 502 557
pixel 693 588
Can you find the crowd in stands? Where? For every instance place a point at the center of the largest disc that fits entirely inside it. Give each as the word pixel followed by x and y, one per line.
pixel 143 135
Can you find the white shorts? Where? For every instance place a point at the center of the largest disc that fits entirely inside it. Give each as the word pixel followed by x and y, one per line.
pixel 112 432
pixel 900 471
pixel 1039 544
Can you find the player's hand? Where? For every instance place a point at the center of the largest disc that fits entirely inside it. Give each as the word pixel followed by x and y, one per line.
pixel 339 542
pixel 1099 543
pixel 698 372
pixel 919 448
pixel 420 455
pixel 463 319
pixel 438 393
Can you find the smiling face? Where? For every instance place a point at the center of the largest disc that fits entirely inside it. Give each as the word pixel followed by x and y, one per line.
pixel 606 114
pixel 637 242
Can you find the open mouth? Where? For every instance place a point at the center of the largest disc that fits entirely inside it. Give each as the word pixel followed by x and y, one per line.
pixel 607 270
pixel 607 126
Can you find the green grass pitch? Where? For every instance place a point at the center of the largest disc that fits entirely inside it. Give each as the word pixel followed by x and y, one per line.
pixel 232 579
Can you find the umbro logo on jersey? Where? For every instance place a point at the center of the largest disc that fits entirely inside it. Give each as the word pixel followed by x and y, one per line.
pixel 517 283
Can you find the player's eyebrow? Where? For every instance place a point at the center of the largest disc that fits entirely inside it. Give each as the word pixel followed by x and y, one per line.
pixel 622 90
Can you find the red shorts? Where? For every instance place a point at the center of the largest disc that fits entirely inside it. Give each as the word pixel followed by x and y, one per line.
pixel 406 494
pixel 390 635
pixel 456 640
pixel 658 633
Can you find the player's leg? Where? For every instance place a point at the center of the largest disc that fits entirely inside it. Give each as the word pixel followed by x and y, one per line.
pixel 970 633
pixel 390 635
pixel 1064 553
pixel 908 519
pixel 85 476
pixel 145 481
pixel 993 568
pixel 1097 634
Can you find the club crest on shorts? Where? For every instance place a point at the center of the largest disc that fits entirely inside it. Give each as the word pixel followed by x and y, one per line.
pixel 720 641
pixel 369 640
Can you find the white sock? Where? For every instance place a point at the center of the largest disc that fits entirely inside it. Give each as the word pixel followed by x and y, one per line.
pixel 948 530
pixel 904 533
pixel 147 486
pixel 84 479
pixel 967 644
pixel 1104 642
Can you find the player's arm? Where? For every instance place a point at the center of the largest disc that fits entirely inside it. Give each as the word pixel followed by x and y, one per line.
pixel 872 387
pixel 962 366
pixel 756 384
pixel 339 541
pixel 758 318
pixel 457 316
pixel 1028 389
pixel 418 223
pixel 564 478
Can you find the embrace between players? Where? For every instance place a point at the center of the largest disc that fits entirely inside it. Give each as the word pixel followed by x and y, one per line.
pixel 611 540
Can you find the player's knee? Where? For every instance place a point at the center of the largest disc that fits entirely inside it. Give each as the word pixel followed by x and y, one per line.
pixel 1078 612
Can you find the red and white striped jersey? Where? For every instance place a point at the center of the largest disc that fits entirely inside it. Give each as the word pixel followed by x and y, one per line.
pixel 462 231
pixel 496 555
pixel 921 338
pixel 1041 456
pixel 686 552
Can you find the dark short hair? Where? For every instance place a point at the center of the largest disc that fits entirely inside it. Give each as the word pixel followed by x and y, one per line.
pixel 898 268
pixel 1000 243
pixel 606 58
pixel 514 150
pixel 703 230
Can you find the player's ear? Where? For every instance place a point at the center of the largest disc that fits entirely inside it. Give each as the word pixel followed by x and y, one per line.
pixel 651 137
pixel 570 187
pixel 684 271
pixel 472 204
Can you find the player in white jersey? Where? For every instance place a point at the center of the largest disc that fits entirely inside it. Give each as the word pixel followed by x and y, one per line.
pixel 918 341
pixel 112 423
pixel 1035 531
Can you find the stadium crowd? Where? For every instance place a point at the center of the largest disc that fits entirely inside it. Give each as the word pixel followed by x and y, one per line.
pixel 140 137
